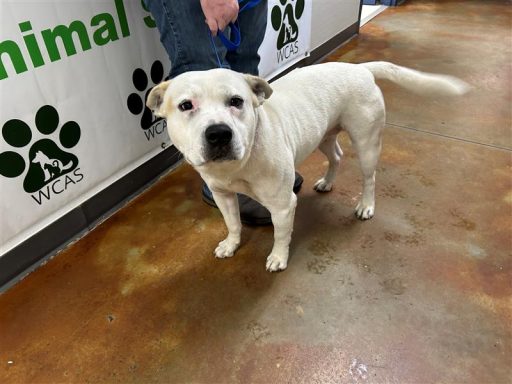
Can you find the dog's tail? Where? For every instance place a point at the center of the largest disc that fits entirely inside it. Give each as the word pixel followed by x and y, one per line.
pixel 422 83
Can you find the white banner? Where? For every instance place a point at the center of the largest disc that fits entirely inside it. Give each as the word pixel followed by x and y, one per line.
pixel 288 35
pixel 73 79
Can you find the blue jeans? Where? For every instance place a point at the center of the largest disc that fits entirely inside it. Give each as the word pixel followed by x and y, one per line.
pixel 184 34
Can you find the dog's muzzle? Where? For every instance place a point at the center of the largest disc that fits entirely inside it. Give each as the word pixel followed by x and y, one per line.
pixel 218 138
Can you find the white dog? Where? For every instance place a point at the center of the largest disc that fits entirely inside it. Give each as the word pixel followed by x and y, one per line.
pixel 242 140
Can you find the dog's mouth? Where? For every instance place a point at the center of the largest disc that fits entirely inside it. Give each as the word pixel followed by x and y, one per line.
pixel 219 154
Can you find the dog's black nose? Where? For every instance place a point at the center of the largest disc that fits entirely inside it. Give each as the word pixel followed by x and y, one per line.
pixel 218 135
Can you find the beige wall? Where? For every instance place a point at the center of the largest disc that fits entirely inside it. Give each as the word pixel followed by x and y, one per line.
pixel 331 17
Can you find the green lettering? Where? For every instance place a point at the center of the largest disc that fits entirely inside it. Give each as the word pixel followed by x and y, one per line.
pixel 148 20
pixel 108 26
pixel 31 44
pixel 121 14
pixel 10 48
pixel 65 34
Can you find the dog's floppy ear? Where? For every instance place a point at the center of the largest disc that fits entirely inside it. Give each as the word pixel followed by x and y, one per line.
pixel 259 87
pixel 156 98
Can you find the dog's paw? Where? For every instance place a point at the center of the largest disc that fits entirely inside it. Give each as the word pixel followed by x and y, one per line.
pixel 226 248
pixel 277 262
pixel 322 186
pixel 365 211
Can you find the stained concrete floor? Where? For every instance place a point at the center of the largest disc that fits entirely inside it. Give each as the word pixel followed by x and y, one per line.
pixel 419 294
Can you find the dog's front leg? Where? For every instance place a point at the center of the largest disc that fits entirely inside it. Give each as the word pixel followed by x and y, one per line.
pixel 282 218
pixel 228 205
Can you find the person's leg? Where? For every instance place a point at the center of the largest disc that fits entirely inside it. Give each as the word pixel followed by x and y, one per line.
pixel 185 36
pixel 253 23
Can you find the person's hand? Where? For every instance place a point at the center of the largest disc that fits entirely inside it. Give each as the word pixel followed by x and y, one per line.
pixel 219 13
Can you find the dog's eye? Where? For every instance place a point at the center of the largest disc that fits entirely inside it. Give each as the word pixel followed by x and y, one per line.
pixel 236 102
pixel 185 106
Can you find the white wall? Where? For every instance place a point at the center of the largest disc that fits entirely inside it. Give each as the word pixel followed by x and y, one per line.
pixel 330 17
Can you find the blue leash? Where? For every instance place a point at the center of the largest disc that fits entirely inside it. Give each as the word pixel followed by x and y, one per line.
pixel 232 45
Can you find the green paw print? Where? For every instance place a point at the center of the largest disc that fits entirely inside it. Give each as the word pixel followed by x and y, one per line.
pixel 285 21
pixel 46 160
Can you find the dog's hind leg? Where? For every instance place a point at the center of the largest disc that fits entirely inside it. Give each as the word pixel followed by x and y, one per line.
pixel 331 149
pixel 368 150
pixel 364 121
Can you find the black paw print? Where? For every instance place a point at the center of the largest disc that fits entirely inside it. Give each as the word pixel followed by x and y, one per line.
pixel 47 161
pixel 285 21
pixel 135 103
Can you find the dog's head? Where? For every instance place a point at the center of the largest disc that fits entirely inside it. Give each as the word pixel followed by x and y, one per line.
pixel 211 115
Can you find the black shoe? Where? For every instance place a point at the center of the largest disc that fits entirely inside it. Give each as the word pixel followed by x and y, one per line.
pixel 251 212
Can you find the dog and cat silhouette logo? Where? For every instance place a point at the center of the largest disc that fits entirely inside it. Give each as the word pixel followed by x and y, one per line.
pixel 284 18
pixel 47 161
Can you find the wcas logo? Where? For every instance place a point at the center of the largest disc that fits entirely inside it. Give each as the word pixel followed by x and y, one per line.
pixel 151 125
pixel 49 168
pixel 284 17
